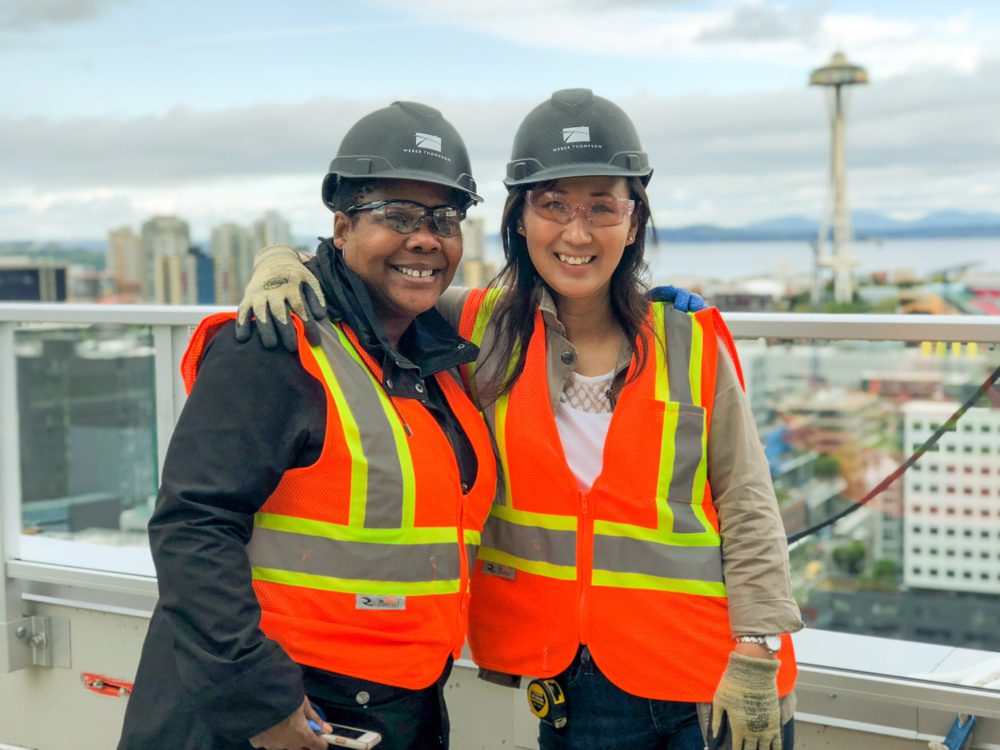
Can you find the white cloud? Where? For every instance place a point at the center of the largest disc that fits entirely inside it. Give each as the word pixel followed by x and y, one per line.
pixel 916 143
pixel 30 14
pixel 732 30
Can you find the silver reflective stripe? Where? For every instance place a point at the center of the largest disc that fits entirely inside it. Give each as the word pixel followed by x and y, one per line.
pixel 621 555
pixel 687 456
pixel 471 551
pixel 319 556
pixel 384 506
pixel 678 327
pixel 530 542
pixel 690 423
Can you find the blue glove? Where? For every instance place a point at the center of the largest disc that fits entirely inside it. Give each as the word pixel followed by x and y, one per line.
pixel 683 300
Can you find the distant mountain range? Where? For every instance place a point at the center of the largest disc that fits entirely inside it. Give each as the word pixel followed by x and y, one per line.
pixel 868 225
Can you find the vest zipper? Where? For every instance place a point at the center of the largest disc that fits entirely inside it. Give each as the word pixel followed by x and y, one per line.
pixel 584 565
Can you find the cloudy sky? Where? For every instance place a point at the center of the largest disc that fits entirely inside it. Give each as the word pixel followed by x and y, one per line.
pixel 115 110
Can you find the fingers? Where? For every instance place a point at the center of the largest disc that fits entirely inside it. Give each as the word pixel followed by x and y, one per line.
pixel 312 713
pixel 312 331
pixel 717 715
pixel 265 329
pixel 286 330
pixel 244 329
pixel 314 298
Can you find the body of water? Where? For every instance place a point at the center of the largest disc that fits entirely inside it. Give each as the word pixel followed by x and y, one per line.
pixel 738 260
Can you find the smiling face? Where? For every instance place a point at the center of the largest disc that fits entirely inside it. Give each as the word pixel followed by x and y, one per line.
pixel 576 260
pixel 405 273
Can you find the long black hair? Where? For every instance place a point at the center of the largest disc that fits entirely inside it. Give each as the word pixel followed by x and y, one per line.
pixel 514 315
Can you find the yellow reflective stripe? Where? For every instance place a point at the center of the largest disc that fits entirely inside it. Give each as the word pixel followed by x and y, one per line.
pixel 398 436
pixel 694 364
pixel 359 463
pixel 664 516
pixel 618 529
pixel 655 583
pixel 339 532
pixel 482 319
pixel 354 586
pixel 549 570
pixel 471 536
pixel 662 384
pixel 701 473
pixel 500 418
pixel 535 520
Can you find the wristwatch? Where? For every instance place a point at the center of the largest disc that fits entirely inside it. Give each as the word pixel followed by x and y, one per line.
pixel 771 642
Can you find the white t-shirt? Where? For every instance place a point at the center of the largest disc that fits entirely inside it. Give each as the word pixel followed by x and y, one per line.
pixel 582 418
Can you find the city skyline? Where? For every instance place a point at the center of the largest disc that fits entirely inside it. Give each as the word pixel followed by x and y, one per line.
pixel 122 109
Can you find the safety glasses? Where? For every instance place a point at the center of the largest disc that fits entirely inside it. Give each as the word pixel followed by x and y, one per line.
pixel 405 217
pixel 601 211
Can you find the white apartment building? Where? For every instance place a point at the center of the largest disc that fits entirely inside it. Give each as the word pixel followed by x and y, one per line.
pixel 124 257
pixel 951 500
pixel 271 229
pixel 232 248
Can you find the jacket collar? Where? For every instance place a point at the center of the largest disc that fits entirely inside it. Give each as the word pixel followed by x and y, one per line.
pixel 429 346
pixel 550 316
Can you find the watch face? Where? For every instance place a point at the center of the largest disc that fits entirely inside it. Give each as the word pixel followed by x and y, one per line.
pixel 772 643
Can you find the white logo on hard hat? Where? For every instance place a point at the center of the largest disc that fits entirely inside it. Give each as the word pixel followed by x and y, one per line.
pixel 432 142
pixel 579 134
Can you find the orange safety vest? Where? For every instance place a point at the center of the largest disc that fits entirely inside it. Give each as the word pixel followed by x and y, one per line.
pixel 361 561
pixel 632 568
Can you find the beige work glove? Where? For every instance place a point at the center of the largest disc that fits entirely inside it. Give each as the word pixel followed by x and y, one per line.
pixel 747 696
pixel 280 283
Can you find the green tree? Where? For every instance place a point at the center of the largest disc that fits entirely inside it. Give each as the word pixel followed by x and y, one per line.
pixel 850 558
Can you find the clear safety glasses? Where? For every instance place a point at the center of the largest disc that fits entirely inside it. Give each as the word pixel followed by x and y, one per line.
pixel 601 211
pixel 405 217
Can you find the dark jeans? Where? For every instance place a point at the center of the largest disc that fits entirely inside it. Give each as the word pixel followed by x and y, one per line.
pixel 406 719
pixel 605 717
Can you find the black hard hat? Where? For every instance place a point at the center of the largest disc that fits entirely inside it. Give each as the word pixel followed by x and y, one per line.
pixel 576 134
pixel 404 141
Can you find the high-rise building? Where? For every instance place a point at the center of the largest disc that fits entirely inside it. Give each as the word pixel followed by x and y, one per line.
pixel 951 500
pixel 26 280
pixel 232 250
pixel 199 277
pixel 187 279
pixel 125 260
pixel 163 237
pixel 474 271
pixel 271 229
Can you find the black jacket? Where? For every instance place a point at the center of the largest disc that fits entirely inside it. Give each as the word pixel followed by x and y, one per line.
pixel 208 676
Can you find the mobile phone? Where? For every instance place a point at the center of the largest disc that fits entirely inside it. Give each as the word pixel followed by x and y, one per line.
pixel 351 737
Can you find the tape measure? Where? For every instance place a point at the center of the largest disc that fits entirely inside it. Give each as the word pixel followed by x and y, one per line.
pixel 548 702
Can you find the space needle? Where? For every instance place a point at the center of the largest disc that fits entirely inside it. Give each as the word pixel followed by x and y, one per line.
pixel 835 75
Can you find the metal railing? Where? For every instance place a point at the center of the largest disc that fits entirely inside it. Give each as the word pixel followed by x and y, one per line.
pixel 822 670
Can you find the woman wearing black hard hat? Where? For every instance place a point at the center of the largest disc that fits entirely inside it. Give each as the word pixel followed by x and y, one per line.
pixel 313 543
pixel 635 554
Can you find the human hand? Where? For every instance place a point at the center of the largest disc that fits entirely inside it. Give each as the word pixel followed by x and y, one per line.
pixel 747 695
pixel 280 282
pixel 293 733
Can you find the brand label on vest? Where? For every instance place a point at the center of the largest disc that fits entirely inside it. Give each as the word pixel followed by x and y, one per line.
pixel 496 569
pixel 371 601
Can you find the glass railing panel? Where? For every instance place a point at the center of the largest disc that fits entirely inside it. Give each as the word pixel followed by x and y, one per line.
pixel 88 459
pixel 920 562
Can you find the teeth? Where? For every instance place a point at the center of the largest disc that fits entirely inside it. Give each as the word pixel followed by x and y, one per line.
pixel 576 260
pixel 415 273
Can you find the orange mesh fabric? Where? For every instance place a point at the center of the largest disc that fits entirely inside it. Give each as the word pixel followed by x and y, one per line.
pixel 404 647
